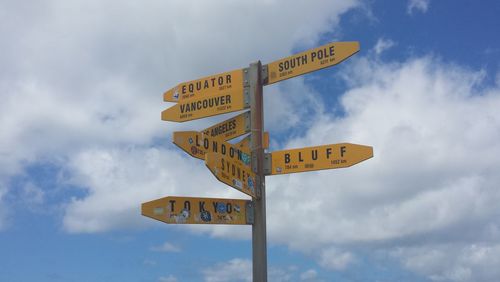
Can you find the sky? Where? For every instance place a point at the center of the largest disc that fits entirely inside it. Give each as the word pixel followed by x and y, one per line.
pixel 82 144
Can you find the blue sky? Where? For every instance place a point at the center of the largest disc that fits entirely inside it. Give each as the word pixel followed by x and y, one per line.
pixel 82 144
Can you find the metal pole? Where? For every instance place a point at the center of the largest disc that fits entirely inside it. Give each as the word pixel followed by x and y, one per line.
pixel 259 242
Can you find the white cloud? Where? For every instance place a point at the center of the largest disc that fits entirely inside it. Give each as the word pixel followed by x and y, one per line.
pixel 166 247
pixel 88 76
pixel 233 270
pixel 334 259
pixel 434 129
pixel 383 45
pixel 238 269
pixel 309 275
pixel 169 278
pixel 419 5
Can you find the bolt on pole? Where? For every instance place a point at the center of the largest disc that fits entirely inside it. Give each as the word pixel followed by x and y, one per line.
pixel 259 242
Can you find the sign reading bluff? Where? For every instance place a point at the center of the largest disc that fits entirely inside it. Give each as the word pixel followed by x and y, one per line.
pixel 232 172
pixel 232 80
pixel 205 106
pixel 311 60
pixel 319 157
pixel 188 210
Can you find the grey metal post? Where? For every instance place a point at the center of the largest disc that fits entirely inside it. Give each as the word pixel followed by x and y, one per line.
pixel 259 242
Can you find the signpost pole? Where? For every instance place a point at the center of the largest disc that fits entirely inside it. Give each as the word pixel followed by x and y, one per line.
pixel 259 242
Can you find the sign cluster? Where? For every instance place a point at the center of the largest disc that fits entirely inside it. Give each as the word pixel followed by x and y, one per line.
pixel 231 163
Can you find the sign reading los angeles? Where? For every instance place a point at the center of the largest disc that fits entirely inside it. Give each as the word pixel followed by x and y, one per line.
pixel 319 157
pixel 232 80
pixel 188 210
pixel 232 172
pixel 205 106
pixel 198 145
pixel 231 128
pixel 311 60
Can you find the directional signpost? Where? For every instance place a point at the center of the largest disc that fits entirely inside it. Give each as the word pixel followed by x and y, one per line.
pixel 222 82
pixel 188 210
pixel 245 164
pixel 232 172
pixel 319 157
pixel 311 60
pixel 205 106
pixel 198 145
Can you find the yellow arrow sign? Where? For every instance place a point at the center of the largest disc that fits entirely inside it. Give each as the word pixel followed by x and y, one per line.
pixel 205 106
pixel 311 60
pixel 245 142
pixel 232 80
pixel 232 172
pixel 188 210
pixel 319 157
pixel 230 128
pixel 197 145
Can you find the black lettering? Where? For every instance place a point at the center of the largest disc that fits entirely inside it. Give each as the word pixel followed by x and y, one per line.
pixel 229 208
pixel 215 145
pixel 300 157
pixel 287 158
pixel 202 206
pixel 223 149
pixel 342 151
pixel 213 81
pixel 183 89
pixel 187 205
pixel 206 144
pixel 328 152
pixel 172 205
pixel 314 154
pixel 228 79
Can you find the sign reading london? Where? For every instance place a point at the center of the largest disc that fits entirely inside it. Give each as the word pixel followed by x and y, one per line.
pixel 232 80
pixel 311 60
pixel 205 106
pixel 319 157
pixel 198 145
pixel 188 210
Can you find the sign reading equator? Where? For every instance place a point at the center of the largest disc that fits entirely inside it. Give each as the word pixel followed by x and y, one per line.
pixel 319 157
pixel 311 60
pixel 231 80
pixel 189 210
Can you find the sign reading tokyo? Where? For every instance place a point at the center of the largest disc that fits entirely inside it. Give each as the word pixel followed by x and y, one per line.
pixel 319 157
pixel 205 106
pixel 231 128
pixel 188 210
pixel 232 172
pixel 311 60
pixel 232 80
pixel 197 145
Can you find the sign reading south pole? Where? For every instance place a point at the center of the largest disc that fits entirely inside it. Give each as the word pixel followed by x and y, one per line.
pixel 205 106
pixel 311 60
pixel 189 210
pixel 232 172
pixel 232 80
pixel 319 157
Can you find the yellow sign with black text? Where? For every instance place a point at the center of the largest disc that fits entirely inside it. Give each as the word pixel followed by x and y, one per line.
pixel 231 128
pixel 245 142
pixel 311 60
pixel 205 106
pixel 189 210
pixel 319 157
pixel 232 80
pixel 232 172
pixel 198 144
